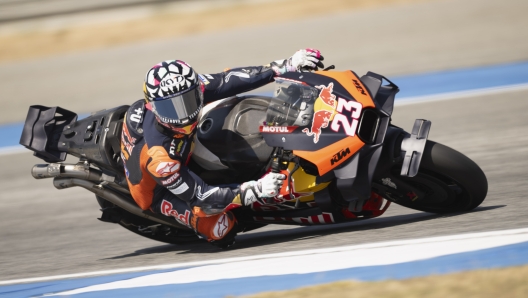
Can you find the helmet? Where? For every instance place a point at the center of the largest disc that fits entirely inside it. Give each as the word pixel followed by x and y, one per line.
pixel 174 94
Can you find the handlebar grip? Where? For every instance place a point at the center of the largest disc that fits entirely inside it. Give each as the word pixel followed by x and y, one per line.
pixel 275 167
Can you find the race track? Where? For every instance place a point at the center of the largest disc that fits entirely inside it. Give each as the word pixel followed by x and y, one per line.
pixel 51 232
pixel 45 231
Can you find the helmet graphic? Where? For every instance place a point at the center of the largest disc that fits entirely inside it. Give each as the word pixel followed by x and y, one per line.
pixel 174 94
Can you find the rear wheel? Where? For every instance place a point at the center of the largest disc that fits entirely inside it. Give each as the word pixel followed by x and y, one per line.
pixel 447 181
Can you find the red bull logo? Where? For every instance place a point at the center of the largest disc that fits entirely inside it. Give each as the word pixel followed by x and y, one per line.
pixel 329 108
pixel 324 110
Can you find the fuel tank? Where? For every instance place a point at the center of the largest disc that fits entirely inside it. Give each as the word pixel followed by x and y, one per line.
pixel 228 146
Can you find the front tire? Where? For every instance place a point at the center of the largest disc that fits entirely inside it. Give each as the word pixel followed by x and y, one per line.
pixel 450 181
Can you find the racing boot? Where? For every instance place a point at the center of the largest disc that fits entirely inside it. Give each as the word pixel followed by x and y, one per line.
pixel 218 229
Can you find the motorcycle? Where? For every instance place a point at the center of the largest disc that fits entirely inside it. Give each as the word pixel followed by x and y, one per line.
pixel 329 132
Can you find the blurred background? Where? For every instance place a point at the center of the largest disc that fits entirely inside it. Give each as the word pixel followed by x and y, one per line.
pixel 90 55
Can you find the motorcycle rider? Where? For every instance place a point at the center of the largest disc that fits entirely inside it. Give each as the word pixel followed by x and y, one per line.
pixel 157 143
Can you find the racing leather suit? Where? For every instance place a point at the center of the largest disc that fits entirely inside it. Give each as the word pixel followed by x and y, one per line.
pixel 155 160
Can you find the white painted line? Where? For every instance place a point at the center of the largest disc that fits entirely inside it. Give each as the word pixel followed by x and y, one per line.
pixel 523 232
pixel 314 262
pixel 460 94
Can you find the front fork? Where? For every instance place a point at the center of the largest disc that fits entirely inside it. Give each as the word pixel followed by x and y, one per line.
pixel 406 149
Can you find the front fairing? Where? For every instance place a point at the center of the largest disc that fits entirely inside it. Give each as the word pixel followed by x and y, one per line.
pixel 325 117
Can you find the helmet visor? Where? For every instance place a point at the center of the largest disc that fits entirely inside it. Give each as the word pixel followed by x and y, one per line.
pixel 178 109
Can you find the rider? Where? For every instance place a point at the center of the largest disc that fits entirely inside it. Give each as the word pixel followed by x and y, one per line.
pixel 157 143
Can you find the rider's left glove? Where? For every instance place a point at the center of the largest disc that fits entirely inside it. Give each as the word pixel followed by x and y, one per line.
pixel 302 61
pixel 266 187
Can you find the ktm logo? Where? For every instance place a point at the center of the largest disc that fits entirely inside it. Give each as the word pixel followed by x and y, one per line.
pixel 358 87
pixel 165 168
pixel 339 155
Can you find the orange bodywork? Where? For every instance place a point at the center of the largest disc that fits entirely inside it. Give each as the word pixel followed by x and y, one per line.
pixel 323 158
pixel 352 84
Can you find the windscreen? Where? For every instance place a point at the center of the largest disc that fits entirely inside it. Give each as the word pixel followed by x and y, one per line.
pixel 292 104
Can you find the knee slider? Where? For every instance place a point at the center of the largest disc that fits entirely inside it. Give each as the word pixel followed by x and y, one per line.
pixel 213 227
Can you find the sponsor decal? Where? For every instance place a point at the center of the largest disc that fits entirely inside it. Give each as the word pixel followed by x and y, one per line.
pixel 168 210
pixel 328 108
pixel 277 129
pixel 180 189
pixel 202 196
pixel 170 179
pixel 210 77
pixel 177 149
pixel 340 155
pixel 324 111
pixel 166 168
pixel 236 74
pixel 172 148
pixel 249 197
pixel 127 140
pixel 389 183
pixel 181 147
pixel 171 80
pixel 136 117
pixel 221 226
pixel 359 87
pixel 176 184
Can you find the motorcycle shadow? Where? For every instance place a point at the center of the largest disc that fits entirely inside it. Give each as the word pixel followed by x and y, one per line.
pixel 266 238
pixel 313 232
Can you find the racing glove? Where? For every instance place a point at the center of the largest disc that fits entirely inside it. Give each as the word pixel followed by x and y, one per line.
pixel 302 61
pixel 266 187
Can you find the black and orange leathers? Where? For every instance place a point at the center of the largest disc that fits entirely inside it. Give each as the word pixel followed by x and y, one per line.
pixel 155 159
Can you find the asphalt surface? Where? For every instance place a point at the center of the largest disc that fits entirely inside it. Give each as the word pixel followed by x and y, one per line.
pixel 48 232
pixel 45 231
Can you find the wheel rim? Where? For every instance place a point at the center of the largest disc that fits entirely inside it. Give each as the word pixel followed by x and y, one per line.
pixel 441 193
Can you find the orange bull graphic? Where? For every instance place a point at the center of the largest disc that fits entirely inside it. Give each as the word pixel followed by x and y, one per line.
pixel 324 111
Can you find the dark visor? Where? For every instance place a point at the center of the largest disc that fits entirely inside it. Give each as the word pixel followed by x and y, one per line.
pixel 178 109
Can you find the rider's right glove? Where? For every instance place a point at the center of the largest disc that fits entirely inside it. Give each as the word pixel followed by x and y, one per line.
pixel 266 187
pixel 302 61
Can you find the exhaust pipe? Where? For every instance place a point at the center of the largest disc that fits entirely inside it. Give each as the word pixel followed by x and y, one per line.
pixel 80 170
pixel 42 171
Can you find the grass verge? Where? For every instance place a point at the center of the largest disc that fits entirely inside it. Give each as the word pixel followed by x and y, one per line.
pixel 488 283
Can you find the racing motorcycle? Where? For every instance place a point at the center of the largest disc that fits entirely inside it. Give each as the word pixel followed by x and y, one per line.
pixel 329 132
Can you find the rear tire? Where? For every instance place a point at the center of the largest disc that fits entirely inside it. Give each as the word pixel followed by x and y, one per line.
pixel 451 181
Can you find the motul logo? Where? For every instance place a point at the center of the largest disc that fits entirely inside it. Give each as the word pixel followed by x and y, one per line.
pixel 340 155
pixel 276 129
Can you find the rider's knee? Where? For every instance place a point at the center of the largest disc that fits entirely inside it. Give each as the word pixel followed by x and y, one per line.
pixel 212 227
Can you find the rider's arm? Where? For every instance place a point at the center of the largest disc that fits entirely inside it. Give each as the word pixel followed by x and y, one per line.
pixel 239 80
pixel 169 171
pixel 235 81
pixel 166 163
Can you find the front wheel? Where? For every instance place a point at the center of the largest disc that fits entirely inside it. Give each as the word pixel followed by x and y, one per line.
pixel 447 181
